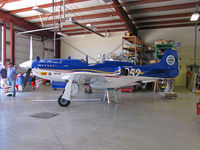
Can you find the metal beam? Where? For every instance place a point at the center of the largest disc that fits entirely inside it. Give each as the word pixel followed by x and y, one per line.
pixel 97 8
pixel 18 21
pixel 38 30
pixel 163 16
pixel 99 28
pixel 134 3
pixel 9 1
pixel 124 17
pixel 83 33
pixel 167 26
pixel 71 11
pixel 4 43
pixel 93 23
pixel 12 51
pixel 91 16
pixel 45 6
pixel 163 22
pixel 164 8
pixel 89 29
pixel 143 10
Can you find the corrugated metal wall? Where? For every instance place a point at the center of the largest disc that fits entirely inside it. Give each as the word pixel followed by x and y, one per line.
pixel 22 49
pixel 43 49
pixel 48 49
pixel 38 47
pixel 22 46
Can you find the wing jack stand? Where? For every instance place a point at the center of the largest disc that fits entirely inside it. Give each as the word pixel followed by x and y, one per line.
pixel 107 95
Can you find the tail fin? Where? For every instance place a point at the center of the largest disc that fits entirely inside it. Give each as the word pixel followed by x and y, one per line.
pixel 169 61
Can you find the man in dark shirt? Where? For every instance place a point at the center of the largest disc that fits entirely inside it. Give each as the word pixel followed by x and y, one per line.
pixel 3 73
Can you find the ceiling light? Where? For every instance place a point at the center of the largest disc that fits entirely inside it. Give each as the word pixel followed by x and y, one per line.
pixel 60 33
pixel 40 10
pixel 88 25
pixel 194 17
pixel 70 19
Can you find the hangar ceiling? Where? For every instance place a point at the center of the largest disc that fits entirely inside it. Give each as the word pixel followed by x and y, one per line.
pixel 102 14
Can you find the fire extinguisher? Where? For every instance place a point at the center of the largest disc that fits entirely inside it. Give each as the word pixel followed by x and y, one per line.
pixel 198 108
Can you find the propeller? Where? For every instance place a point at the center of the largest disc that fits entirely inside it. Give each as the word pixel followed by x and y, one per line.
pixel 27 65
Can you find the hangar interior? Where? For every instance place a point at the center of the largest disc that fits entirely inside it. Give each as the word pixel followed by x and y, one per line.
pixel 153 111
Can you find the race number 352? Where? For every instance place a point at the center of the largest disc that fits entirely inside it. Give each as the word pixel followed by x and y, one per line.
pixel 134 72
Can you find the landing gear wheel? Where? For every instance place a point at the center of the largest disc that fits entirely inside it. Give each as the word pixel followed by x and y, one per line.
pixel 63 102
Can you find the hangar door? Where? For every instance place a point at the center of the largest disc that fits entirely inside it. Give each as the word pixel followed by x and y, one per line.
pixel 22 46
pixel 38 48
pixel 22 49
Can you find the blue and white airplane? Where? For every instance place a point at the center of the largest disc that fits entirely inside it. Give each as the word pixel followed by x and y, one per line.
pixel 108 74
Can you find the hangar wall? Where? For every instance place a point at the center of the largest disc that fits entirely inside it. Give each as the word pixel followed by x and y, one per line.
pixel 186 36
pixel 94 45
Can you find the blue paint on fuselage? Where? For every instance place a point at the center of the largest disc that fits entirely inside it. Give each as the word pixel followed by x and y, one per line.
pixel 160 70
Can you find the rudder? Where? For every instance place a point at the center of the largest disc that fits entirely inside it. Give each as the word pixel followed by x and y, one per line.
pixel 170 61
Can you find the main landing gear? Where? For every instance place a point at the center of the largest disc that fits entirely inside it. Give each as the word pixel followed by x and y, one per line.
pixel 65 99
pixel 63 102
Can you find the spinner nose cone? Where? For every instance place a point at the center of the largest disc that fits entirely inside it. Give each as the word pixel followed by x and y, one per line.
pixel 26 64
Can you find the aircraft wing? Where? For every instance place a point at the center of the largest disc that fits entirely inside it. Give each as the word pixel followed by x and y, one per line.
pixel 148 81
pixel 116 72
pixel 87 74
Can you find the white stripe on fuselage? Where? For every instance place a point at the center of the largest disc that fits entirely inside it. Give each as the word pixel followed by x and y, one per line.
pixel 111 81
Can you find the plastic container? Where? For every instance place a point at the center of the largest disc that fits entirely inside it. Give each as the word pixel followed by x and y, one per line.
pixel 58 84
pixel 20 80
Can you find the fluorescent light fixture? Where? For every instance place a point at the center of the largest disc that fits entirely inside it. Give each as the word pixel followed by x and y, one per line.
pixel 91 26
pixel 40 10
pixel 37 30
pixel 69 19
pixel 88 25
pixel 60 33
pixel 194 17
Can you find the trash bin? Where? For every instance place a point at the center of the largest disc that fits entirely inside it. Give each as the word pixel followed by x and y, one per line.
pixel 20 79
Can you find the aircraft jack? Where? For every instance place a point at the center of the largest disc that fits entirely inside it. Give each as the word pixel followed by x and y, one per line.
pixel 107 95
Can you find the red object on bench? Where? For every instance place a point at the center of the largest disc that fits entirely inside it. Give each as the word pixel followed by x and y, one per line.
pixel 127 89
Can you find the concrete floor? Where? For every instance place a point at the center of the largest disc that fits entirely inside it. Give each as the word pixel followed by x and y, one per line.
pixel 141 121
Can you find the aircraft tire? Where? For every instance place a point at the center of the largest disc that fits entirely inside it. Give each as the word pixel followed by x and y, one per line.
pixel 63 102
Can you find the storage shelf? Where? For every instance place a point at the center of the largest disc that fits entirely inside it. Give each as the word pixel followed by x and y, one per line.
pixel 162 47
pixel 135 46
pixel 132 49
pixel 132 39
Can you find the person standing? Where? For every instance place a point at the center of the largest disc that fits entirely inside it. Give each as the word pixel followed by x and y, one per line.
pixel 3 74
pixel 12 73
